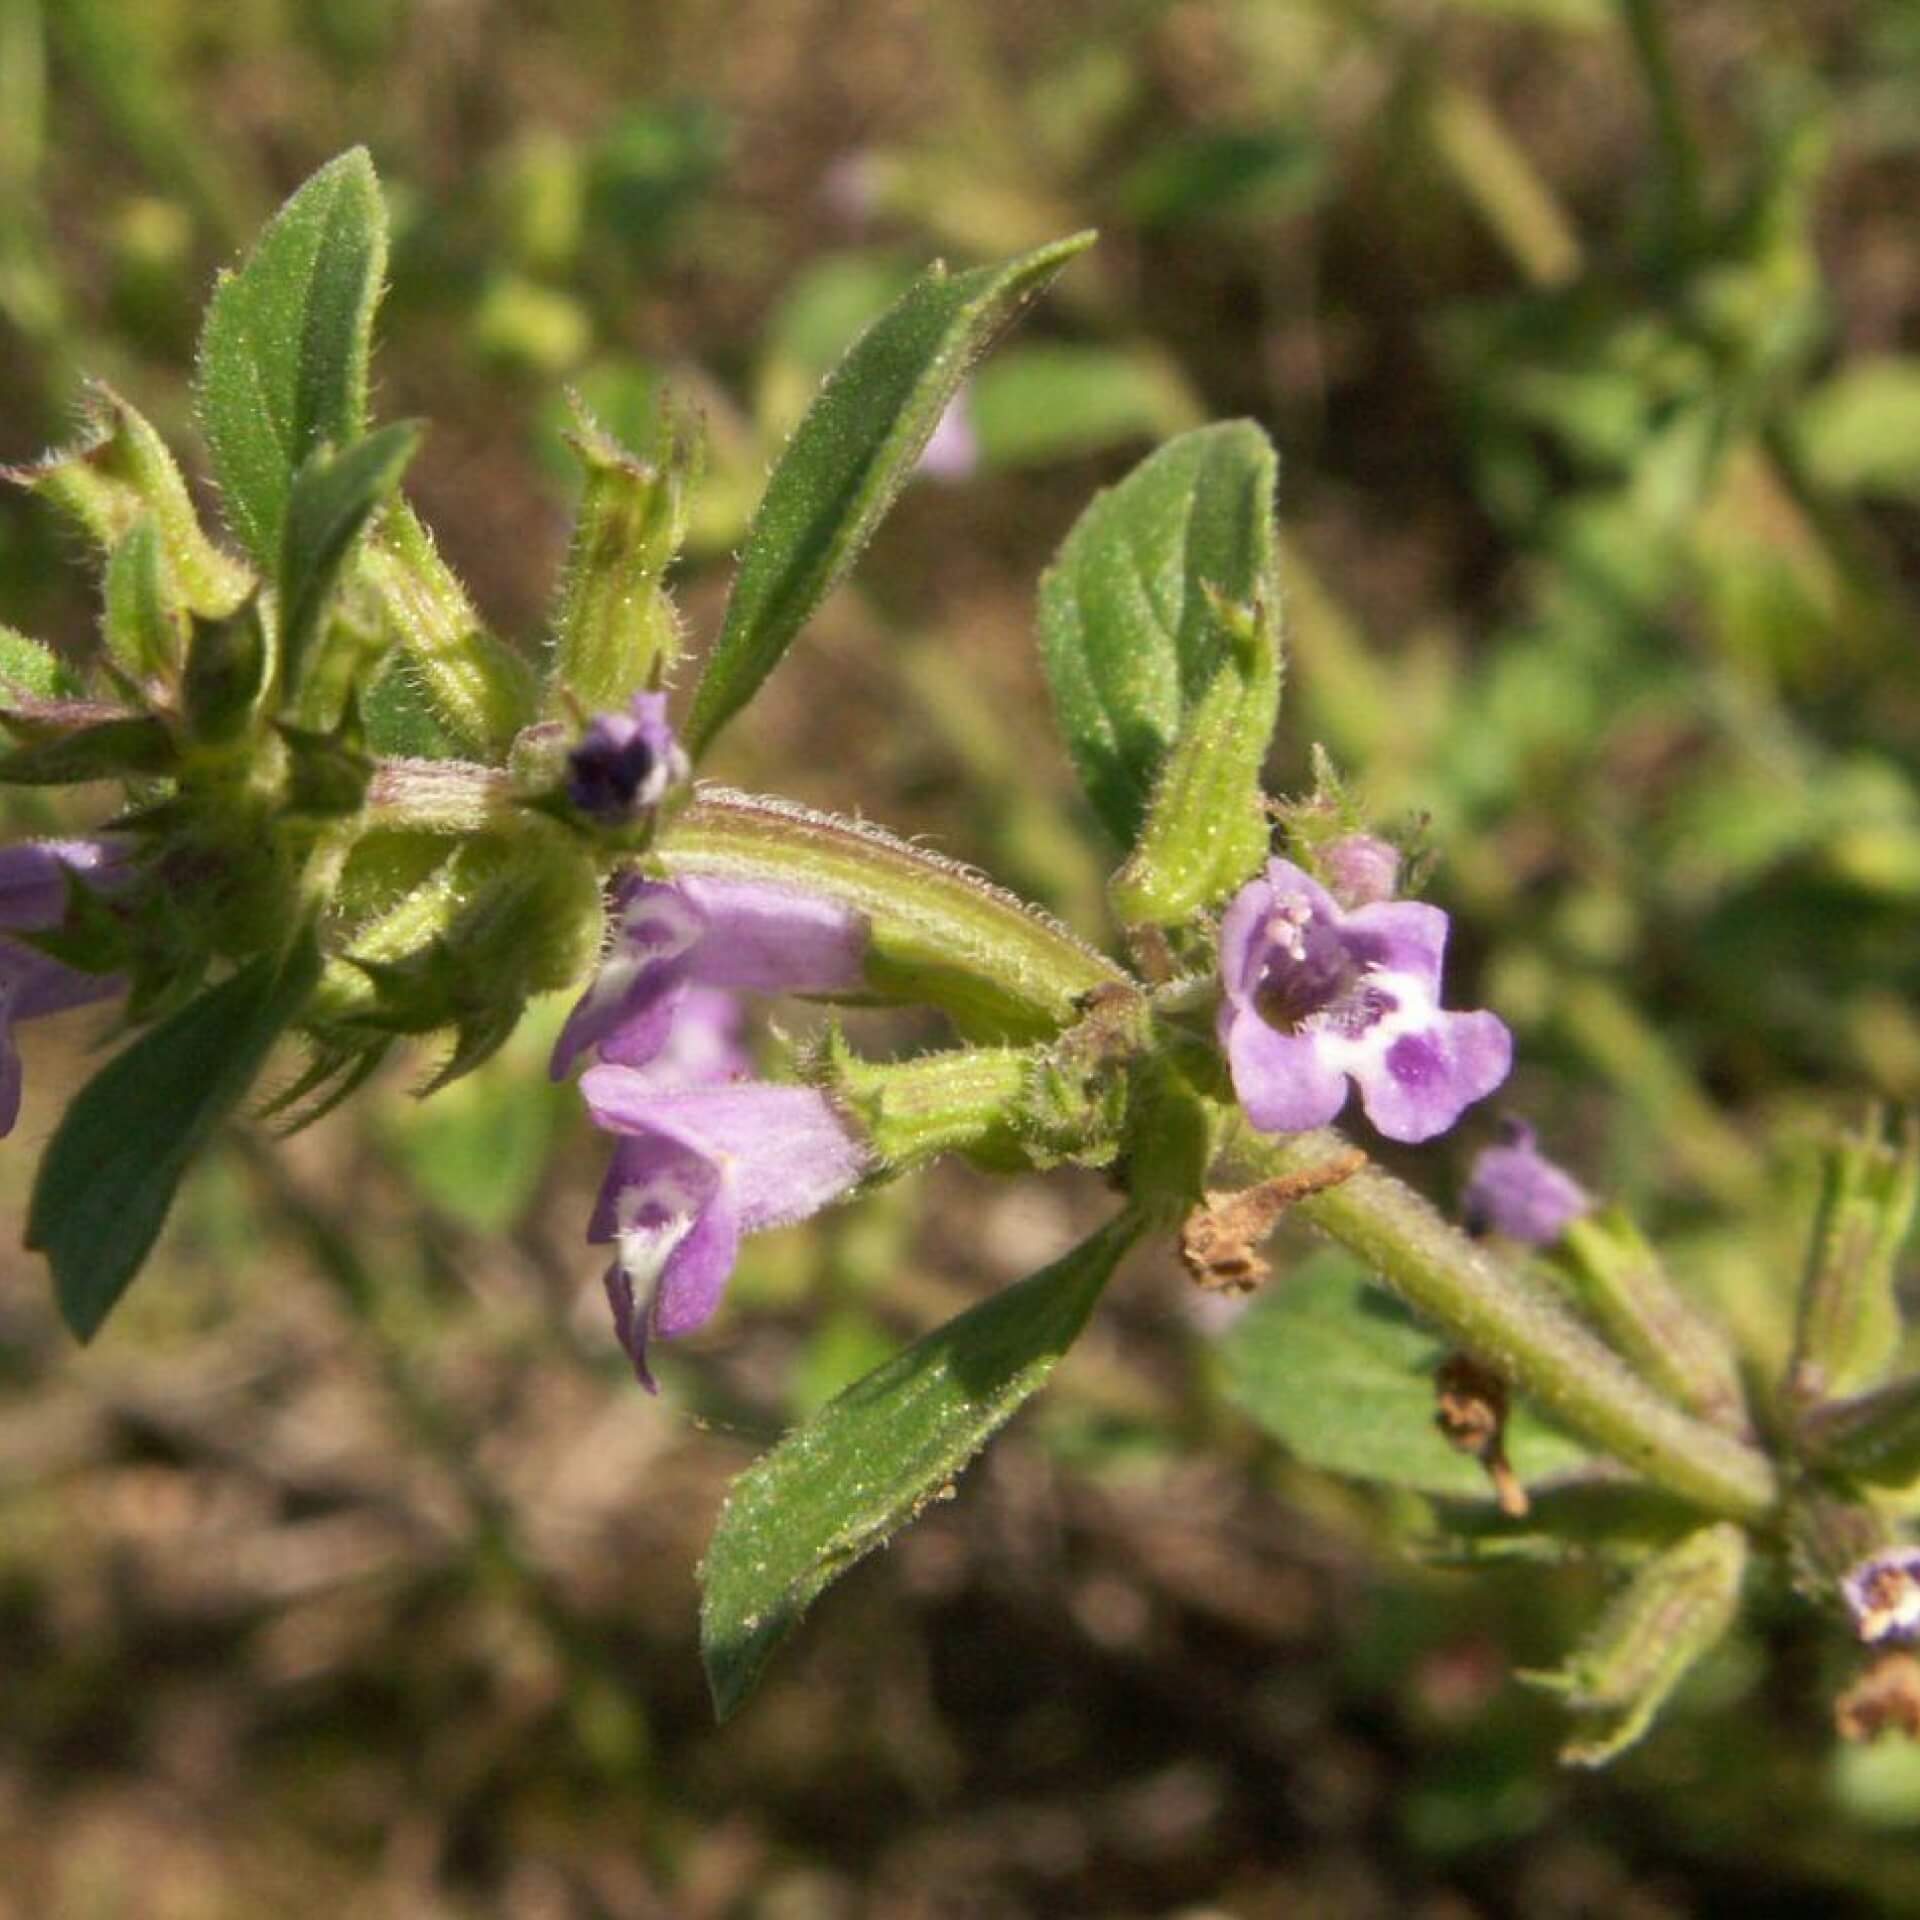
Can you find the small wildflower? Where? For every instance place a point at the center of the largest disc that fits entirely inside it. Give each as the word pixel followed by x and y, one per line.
pixel 1883 1594
pixel 1516 1191
pixel 695 1169
pixel 736 934
pixel 33 899
pixel 626 762
pixel 1316 995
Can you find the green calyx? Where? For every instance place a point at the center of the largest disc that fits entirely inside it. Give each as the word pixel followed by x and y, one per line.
pixel 1849 1324
pixel 1206 829
pixel 615 630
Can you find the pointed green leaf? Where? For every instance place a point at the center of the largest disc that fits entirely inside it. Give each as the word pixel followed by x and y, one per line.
pixel 333 497
pixel 1130 626
pixel 111 750
pixel 111 1169
pixel 119 473
pixel 871 1460
pixel 849 457
pixel 1336 1368
pixel 31 671
pixel 283 354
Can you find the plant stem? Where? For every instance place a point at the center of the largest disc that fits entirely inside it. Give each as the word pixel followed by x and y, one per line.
pixel 1524 1335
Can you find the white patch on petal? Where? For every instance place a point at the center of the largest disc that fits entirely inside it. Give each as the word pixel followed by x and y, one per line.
pixel 1415 1011
pixel 655 928
pixel 651 1218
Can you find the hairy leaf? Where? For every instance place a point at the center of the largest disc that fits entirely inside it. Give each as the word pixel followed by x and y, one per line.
pixel 871 1459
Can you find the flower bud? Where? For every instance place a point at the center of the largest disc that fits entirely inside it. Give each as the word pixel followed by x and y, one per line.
pixel 1849 1324
pixel 615 629
pixel 1621 1283
pixel 1676 1608
pixel 1360 869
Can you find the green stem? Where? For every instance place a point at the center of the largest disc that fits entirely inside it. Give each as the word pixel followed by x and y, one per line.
pixel 1523 1334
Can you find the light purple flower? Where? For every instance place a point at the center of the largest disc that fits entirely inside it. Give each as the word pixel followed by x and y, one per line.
pixel 1883 1594
pixel 1515 1190
pixel 953 451
pixel 706 1046
pixel 33 899
pixel 626 762
pixel 695 1169
pixel 737 934
pixel 1315 996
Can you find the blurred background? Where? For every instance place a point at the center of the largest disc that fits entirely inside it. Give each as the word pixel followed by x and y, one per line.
pixel 350 1573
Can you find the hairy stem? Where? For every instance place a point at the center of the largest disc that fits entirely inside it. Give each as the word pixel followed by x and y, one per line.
pixel 1524 1335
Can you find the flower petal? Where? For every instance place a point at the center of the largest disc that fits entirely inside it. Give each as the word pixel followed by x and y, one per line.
pixel 775 939
pixel 1399 936
pixel 1283 1081
pixel 785 1151
pixel 655 928
pixel 1417 1080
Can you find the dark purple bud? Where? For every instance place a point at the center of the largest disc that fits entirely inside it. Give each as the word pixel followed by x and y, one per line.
pixel 625 762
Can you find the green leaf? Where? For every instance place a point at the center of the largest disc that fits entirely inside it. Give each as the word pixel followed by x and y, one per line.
pixel 1129 622
pixel 118 474
pixel 1335 1368
pixel 111 750
pixel 871 1460
pixel 849 457
pixel 110 1172
pixel 333 497
pixel 1860 430
pixel 31 671
pixel 283 355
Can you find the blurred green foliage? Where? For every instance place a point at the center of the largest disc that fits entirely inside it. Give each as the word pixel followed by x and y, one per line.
pixel 348 1572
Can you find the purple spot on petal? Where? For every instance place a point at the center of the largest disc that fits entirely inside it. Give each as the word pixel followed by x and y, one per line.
pixel 1415 1061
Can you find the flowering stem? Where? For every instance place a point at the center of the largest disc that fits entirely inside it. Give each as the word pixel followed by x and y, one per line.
pixel 1524 1335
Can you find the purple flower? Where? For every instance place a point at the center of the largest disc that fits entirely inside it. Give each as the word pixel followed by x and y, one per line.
pixel 706 1046
pixel 625 762
pixel 1515 1190
pixel 737 934
pixel 1315 996
pixel 1883 1595
pixel 695 1169
pixel 953 451
pixel 33 899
